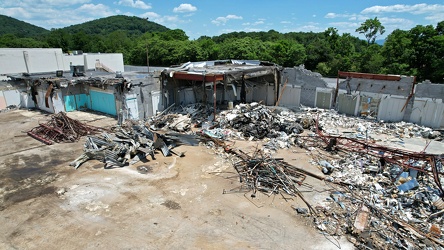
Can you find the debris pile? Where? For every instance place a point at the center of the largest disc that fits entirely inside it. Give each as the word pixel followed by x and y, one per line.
pixel 61 128
pixel 377 214
pixel 255 121
pixel 128 144
pixel 182 118
pixel 332 121
pixel 383 196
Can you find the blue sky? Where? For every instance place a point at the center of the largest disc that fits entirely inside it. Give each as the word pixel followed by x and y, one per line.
pixel 210 17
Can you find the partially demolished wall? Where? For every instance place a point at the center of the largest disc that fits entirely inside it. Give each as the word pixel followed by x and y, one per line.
pixel 307 80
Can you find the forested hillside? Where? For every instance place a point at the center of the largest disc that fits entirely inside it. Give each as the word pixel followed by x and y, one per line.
pixel 418 51
pixel 19 28
pixel 103 26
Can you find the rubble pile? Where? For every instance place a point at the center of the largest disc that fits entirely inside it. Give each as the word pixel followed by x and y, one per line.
pixel 256 121
pixel 377 213
pixel 128 144
pixel 378 202
pixel 182 118
pixel 331 120
pixel 61 128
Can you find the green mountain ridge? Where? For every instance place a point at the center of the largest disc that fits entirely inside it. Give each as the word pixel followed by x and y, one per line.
pixel 19 28
pixel 133 25
pixel 102 26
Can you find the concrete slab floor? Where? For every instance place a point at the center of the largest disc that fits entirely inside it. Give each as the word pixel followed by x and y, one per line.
pixel 178 204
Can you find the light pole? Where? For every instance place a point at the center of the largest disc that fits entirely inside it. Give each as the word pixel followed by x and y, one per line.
pixel 147 57
pixel 147 54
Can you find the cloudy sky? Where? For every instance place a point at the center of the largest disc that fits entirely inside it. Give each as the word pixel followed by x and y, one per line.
pixel 210 17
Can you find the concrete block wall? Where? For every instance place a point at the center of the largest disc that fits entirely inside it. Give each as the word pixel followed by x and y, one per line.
pixel 308 81
pixel 402 87
pixel 429 90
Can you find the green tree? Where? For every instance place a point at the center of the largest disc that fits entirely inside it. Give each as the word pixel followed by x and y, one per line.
pixel 288 53
pixel 371 60
pixel 318 51
pixel 58 38
pixel 424 51
pixel 207 49
pixel 239 48
pixel 370 28
pixel 397 52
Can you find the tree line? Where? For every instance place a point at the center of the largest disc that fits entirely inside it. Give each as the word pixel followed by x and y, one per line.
pixel 418 51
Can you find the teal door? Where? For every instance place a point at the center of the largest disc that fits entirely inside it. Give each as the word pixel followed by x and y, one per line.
pixel 103 102
pixel 76 102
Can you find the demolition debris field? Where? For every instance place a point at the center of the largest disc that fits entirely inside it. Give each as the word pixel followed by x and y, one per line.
pixel 261 178
pixel 177 204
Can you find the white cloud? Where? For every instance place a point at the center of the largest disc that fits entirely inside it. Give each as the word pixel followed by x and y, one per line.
pixel 98 10
pixel 285 22
pixel 331 15
pixel 254 24
pixel 416 9
pixel 389 20
pixel 57 17
pixel 169 21
pixel 41 3
pixel 139 4
pixel 435 18
pixel 252 30
pixel 346 25
pixel 184 7
pixel 432 12
pixel 223 20
pixel 16 12
pixel 348 16
pixel 150 15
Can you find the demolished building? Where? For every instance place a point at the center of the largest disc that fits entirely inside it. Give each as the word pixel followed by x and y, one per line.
pixel 224 82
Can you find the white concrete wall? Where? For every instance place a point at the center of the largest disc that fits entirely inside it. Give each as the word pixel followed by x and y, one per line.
pixel 74 59
pixel 43 60
pixel 38 60
pixel 113 61
pixel 12 61
pixel 30 60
